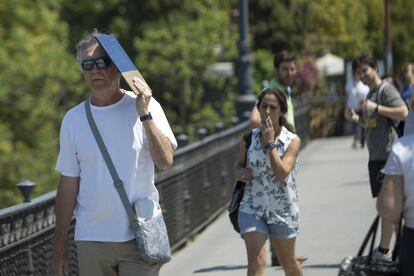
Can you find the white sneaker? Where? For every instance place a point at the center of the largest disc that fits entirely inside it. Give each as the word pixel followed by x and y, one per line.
pixel 378 255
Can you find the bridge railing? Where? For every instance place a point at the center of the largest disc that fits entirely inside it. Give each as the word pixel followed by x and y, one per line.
pixel 192 193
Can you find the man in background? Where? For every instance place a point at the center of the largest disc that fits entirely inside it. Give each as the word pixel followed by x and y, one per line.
pixel 284 67
pixel 382 108
pixel 356 94
pixel 408 89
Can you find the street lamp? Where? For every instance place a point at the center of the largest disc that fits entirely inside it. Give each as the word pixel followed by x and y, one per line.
pixel 388 38
pixel 26 188
pixel 245 100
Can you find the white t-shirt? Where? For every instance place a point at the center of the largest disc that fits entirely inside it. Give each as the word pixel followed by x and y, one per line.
pixel 409 123
pixel 356 95
pixel 100 215
pixel 401 162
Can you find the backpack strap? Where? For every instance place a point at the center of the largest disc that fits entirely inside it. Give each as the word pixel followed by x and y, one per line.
pixel 393 125
pixel 380 90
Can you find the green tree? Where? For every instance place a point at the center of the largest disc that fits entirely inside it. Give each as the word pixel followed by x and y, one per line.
pixel 174 54
pixel 34 71
pixel 277 25
pixel 330 28
pixel 402 16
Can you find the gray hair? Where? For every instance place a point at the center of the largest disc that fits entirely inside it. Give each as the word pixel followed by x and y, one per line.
pixel 88 40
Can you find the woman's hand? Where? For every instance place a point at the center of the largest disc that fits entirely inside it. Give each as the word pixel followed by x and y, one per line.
pixel 267 131
pixel 244 174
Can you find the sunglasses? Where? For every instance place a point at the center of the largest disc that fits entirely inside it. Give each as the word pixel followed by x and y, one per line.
pixel 102 63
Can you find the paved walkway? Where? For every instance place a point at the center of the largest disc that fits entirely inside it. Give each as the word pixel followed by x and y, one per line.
pixel 336 211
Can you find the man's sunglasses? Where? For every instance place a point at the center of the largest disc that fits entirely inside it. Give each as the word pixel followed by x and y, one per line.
pixel 102 63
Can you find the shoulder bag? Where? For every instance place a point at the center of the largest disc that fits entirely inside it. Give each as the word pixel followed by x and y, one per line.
pixel 367 266
pixel 150 230
pixel 238 191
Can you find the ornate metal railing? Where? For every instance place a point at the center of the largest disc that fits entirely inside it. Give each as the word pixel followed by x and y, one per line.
pixel 192 193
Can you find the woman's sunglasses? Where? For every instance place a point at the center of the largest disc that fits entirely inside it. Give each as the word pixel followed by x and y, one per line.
pixel 101 62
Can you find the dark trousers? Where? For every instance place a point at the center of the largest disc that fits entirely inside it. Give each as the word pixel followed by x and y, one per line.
pixel 362 137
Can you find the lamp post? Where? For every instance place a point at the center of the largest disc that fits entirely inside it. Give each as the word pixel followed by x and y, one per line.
pixel 245 100
pixel 26 188
pixel 388 38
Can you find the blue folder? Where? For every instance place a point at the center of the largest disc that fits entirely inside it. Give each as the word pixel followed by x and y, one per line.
pixel 120 58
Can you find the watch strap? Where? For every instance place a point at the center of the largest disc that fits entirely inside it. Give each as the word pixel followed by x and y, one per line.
pixel 146 117
pixel 270 146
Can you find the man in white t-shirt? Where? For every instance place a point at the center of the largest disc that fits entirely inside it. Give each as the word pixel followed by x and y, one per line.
pixel 397 197
pixel 357 92
pixel 137 136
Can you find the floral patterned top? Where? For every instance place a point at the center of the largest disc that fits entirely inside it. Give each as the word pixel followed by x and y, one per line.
pixel 263 195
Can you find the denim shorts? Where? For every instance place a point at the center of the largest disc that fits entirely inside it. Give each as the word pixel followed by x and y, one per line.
pixel 280 231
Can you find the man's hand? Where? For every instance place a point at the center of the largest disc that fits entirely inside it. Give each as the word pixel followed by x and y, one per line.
pixel 369 105
pixel 61 262
pixel 65 204
pixel 354 116
pixel 144 96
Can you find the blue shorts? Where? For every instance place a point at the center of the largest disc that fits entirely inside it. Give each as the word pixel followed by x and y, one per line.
pixel 280 231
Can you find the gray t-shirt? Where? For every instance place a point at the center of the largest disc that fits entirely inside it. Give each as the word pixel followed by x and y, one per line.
pixel 380 134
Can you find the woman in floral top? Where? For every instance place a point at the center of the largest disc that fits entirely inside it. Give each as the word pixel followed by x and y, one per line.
pixel 269 207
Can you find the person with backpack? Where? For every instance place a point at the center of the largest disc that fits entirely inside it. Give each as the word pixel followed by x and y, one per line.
pixel 269 207
pixel 383 108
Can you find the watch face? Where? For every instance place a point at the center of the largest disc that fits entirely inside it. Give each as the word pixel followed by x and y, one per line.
pixel 146 117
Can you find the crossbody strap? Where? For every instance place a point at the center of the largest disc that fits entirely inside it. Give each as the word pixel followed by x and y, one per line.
pixel 119 185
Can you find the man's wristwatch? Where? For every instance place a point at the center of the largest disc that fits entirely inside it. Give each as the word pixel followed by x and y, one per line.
pixel 146 117
pixel 376 108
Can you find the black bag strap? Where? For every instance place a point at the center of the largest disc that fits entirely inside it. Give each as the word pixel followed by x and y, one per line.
pixel 248 139
pixel 119 185
pixel 372 232
pixel 396 251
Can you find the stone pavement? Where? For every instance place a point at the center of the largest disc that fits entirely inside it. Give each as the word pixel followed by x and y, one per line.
pixel 336 211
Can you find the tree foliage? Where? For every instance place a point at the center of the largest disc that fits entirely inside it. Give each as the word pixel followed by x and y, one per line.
pixel 402 15
pixel 33 79
pixel 175 53
pixel 277 25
